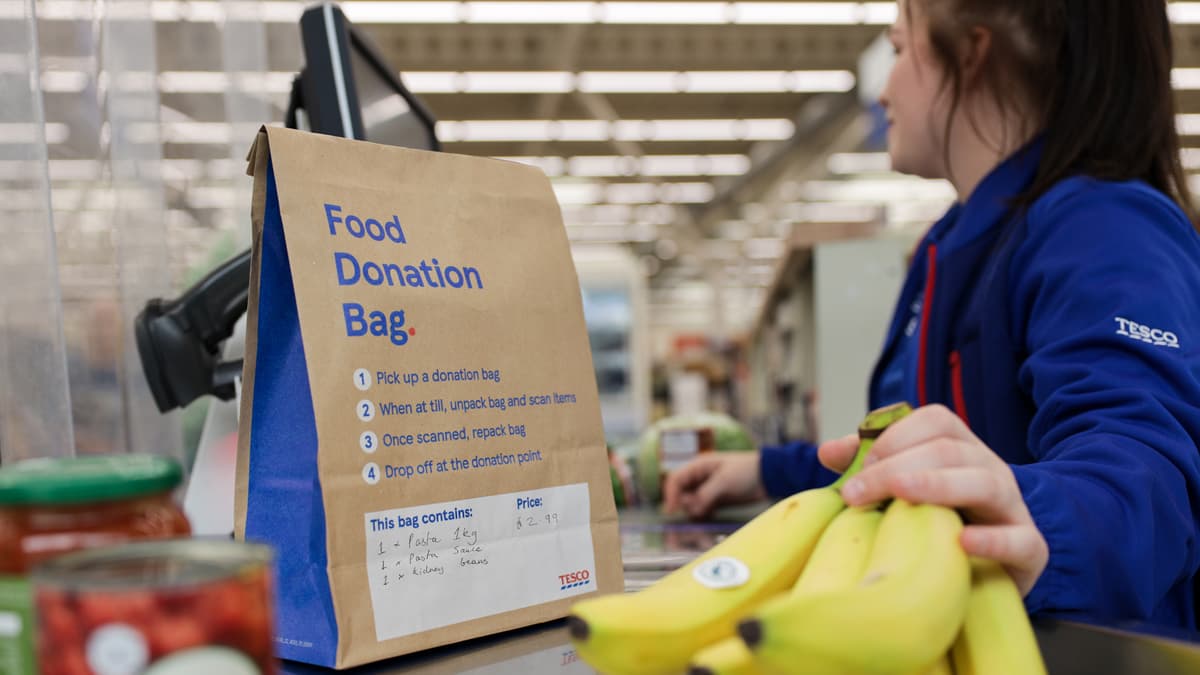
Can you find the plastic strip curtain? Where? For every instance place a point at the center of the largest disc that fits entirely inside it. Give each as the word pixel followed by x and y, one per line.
pixel 35 409
pixel 244 55
pixel 129 63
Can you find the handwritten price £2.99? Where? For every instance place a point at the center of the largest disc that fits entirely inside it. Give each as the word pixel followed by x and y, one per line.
pixel 549 520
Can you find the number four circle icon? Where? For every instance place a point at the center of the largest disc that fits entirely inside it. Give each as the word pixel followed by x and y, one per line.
pixel 371 473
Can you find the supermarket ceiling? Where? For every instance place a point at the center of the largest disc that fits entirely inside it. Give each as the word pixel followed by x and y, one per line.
pixel 673 127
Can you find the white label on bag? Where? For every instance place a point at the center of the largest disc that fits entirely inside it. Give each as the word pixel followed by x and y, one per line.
pixel 442 564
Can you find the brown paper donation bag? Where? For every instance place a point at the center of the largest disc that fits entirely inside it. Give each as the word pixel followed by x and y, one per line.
pixel 420 434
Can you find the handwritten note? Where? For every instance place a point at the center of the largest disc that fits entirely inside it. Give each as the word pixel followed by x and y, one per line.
pixel 440 564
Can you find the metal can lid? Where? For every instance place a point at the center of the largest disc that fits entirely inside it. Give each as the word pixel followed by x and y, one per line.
pixel 176 563
pixel 79 480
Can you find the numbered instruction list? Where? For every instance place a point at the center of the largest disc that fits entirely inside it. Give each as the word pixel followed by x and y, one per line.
pixel 396 396
pixel 472 558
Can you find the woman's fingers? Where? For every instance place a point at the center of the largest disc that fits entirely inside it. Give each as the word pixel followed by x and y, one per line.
pixel 923 425
pixel 685 480
pixel 882 477
pixel 1020 548
pixel 837 454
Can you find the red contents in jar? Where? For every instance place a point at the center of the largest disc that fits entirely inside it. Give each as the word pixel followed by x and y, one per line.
pixel 29 535
pixel 165 620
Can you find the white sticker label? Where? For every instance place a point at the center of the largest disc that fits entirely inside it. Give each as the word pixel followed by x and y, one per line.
pixel 722 573
pixel 10 624
pixel 491 554
pixel 679 446
pixel 117 649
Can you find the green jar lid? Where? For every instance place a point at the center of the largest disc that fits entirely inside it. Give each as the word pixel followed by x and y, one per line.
pixel 78 480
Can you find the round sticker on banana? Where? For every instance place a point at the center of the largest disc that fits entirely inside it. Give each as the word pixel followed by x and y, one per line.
pixel 720 573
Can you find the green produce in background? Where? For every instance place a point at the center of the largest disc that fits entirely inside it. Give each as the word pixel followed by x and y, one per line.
pixel 728 435
pixel 618 489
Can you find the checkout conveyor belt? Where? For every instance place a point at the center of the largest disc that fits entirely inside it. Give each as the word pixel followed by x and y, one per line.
pixel 651 546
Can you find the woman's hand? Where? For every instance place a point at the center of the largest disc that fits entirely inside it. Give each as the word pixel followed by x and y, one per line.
pixel 713 479
pixel 932 457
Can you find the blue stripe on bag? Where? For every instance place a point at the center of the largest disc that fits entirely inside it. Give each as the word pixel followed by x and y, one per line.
pixel 284 506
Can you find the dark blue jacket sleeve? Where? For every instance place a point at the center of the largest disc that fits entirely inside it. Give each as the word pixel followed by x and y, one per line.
pixel 788 469
pixel 1107 287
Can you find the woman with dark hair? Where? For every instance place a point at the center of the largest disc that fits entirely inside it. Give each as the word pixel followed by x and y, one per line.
pixel 1049 327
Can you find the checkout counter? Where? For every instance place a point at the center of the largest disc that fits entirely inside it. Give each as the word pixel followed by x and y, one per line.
pixel 652 546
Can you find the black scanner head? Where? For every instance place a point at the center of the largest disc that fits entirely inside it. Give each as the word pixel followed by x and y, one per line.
pixel 179 341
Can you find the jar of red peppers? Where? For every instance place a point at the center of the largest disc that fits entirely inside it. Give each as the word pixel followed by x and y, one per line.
pixel 49 507
pixel 183 607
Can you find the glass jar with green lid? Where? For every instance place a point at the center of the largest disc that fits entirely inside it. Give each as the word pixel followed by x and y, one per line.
pixel 53 506
pixel 49 507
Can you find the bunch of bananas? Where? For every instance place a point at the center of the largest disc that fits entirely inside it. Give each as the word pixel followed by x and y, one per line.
pixel 811 586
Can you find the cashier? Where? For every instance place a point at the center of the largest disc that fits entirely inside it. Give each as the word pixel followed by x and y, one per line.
pixel 1049 326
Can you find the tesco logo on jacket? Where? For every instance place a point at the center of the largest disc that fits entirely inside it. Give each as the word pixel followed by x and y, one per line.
pixel 1154 336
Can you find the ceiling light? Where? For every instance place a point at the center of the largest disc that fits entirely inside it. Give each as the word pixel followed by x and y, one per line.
pixel 602 165
pixel 1185 78
pixel 17 133
pixel 1184 12
pixel 433 82
pixel 632 193
pixel 859 162
pixel 578 193
pixel 631 82
pixel 624 130
pixel 506 82
pixel 695 165
pixel 664 12
pixel 569 12
pixel 1190 158
pixel 513 82
pixel 529 12
pixel 402 12
pixel 1188 125
pixel 879 13
pixel 767 81
pixel 808 13
pixel 879 190
pixel 64 81
pixel 183 132
pixel 764 249
pixel 193 82
pixel 835 212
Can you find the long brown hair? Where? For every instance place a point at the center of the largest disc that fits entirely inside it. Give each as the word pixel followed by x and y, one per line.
pixel 1096 75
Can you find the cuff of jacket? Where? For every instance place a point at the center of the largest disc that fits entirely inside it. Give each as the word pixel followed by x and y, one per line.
pixel 788 469
pixel 1044 497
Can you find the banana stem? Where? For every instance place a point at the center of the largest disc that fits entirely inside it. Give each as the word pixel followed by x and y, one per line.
pixel 875 423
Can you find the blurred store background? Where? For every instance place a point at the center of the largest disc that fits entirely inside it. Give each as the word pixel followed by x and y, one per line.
pixel 720 166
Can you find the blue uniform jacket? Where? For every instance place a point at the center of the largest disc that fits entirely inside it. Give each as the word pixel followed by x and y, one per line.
pixel 1067 335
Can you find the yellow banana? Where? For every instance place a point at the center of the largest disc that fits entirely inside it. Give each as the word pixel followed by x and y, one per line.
pixel 841 554
pixel 837 562
pixel 942 667
pixel 660 628
pixel 898 620
pixel 876 422
pixel 996 637
pixel 727 657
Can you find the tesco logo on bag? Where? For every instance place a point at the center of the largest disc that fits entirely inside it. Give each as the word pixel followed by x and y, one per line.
pixel 574 579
